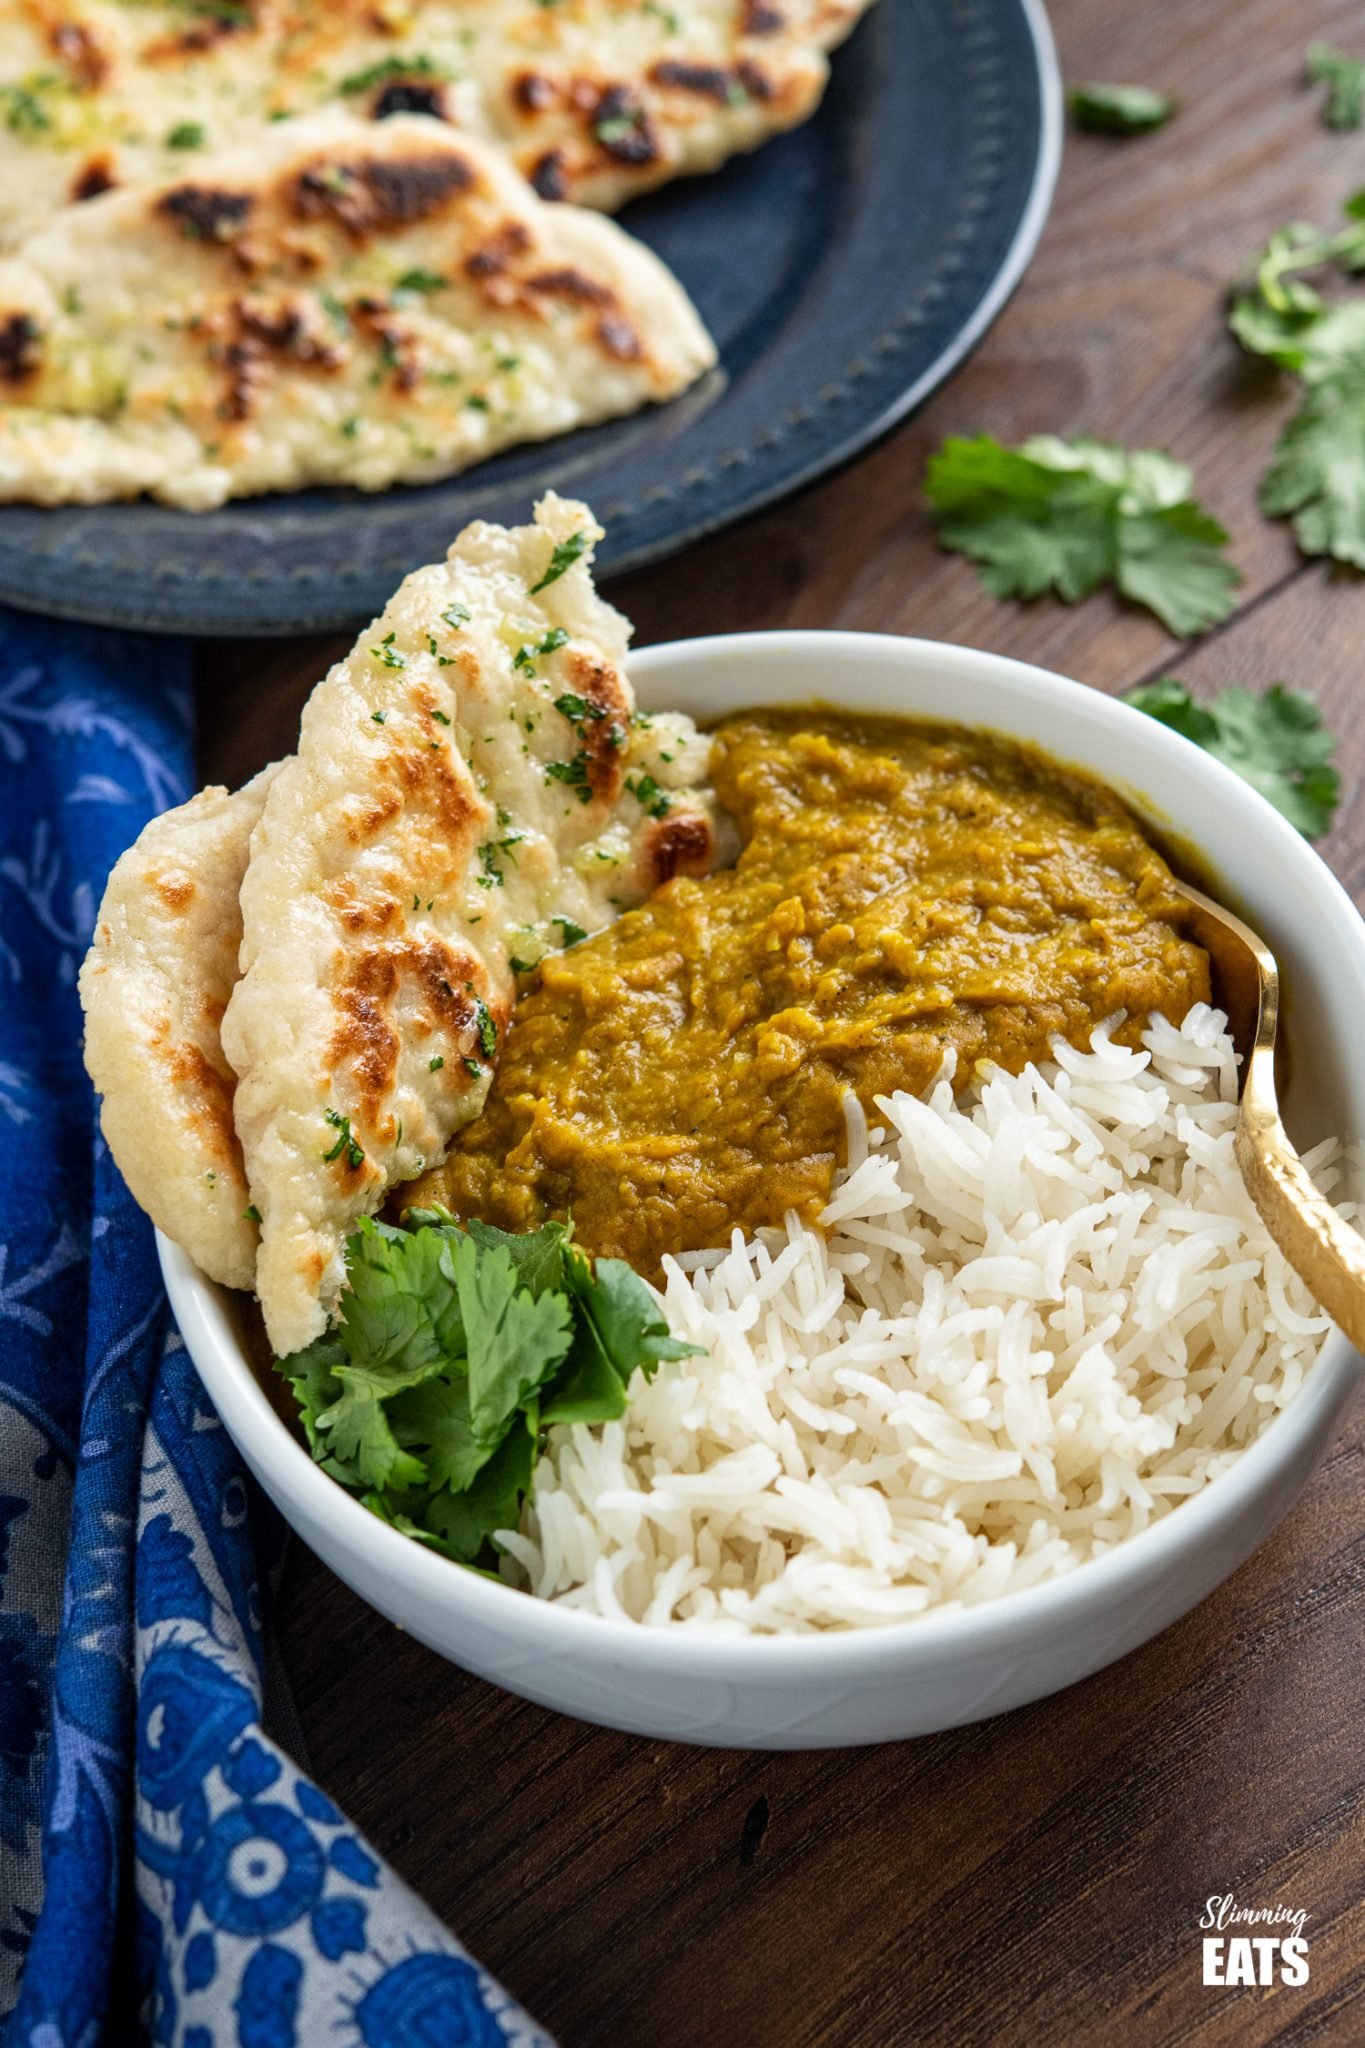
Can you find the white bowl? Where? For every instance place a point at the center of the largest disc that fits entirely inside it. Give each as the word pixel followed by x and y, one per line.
pixel 916 1676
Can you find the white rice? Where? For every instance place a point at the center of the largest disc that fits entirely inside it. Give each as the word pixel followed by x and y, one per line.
pixel 1042 1316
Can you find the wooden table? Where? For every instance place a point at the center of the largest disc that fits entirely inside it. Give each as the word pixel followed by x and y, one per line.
pixel 1036 1879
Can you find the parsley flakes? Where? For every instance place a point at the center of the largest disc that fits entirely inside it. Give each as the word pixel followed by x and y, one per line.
pixel 648 794
pixel 389 655
pixel 549 643
pixel 574 773
pixel 563 557
pixel 346 1144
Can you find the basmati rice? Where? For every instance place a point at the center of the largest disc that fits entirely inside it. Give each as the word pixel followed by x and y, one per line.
pixel 1039 1317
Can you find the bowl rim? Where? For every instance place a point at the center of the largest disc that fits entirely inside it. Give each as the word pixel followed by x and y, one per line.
pixel 1044 1608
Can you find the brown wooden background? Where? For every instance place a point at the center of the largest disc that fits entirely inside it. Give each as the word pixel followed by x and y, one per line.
pixel 1036 1879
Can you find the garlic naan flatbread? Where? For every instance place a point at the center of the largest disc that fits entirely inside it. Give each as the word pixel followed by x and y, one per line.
pixel 594 99
pixel 340 302
pixel 472 788
pixel 154 986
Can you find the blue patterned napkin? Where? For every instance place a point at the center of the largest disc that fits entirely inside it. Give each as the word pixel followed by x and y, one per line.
pixel 166 1873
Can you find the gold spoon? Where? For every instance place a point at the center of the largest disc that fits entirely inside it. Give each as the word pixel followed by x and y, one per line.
pixel 1325 1252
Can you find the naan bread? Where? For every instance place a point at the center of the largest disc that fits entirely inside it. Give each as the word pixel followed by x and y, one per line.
pixel 594 99
pixel 154 985
pixel 337 303
pixel 471 788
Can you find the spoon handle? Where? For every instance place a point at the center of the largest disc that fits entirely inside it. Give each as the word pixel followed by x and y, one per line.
pixel 1324 1250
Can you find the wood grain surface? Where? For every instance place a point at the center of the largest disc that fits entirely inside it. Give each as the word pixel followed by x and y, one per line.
pixel 1036 1879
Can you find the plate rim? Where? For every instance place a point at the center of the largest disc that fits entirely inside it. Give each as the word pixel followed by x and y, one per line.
pixel 1028 233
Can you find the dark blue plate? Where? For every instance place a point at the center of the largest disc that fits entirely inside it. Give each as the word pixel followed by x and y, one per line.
pixel 843 270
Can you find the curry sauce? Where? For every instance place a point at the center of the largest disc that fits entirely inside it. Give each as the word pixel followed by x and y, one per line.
pixel 903 890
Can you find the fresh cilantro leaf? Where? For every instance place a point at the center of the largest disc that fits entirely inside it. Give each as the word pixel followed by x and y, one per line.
pixel 386 1508
pixel 465 1522
pixel 515 1339
pixel 1318 474
pixel 537 1255
pixel 455 1345
pixel 400 1307
pixel 433 1419
pixel 312 1375
pixel 357 1430
pixel 589 1389
pixel 1344 77
pixel 1171 561
pixel 626 1315
pixel 619 1325
pixel 1276 742
pixel 1120 109
pixel 1067 516
pixel 565 554
pixel 1317 477
pixel 572 931
pixel 1316 342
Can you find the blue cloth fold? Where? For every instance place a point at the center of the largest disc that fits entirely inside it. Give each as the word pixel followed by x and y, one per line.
pixel 166 1873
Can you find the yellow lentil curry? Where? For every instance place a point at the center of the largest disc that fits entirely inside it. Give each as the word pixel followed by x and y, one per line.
pixel 902 889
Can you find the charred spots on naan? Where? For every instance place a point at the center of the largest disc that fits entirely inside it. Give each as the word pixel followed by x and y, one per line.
pixel 365 1043
pixel 262 334
pixel 679 844
pixel 175 887
pixel 565 282
pixel 366 819
pixel 612 330
pixel 398 345
pixel 76 46
pixel 359 910
pixel 410 96
pixel 729 85
pixel 619 339
pixel 216 21
pixel 433 779
pixel 207 1093
pixel 373 195
pixel 366 1046
pixel 601 725
pixel 761 18
pixel 531 92
pixel 496 255
pixel 549 175
pixel 622 129
pixel 206 213
pixel 21 348
pixel 94 178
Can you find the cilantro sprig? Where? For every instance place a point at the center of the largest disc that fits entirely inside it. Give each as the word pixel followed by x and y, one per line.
pixel 456 1346
pixel 1120 109
pixel 1344 77
pixel 1067 516
pixel 1277 742
pixel 1317 477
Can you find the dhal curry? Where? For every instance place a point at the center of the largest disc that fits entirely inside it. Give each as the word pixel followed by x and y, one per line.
pixel 903 890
